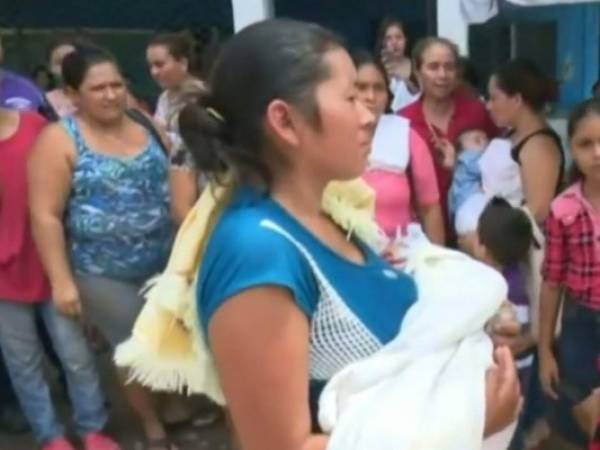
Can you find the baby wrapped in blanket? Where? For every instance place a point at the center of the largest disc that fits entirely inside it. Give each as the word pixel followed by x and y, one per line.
pixel 425 389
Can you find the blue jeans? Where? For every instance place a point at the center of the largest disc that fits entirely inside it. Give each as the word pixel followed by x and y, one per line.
pixel 24 356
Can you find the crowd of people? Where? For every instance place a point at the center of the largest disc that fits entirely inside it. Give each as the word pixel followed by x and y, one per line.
pixel 93 188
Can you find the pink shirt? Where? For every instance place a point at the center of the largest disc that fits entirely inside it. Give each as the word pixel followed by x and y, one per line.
pixel 572 257
pixel 22 277
pixel 394 191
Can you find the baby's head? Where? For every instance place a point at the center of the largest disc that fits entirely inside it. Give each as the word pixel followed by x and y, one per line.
pixel 504 234
pixel 472 139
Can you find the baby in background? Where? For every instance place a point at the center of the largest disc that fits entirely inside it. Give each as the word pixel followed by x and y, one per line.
pixel 464 157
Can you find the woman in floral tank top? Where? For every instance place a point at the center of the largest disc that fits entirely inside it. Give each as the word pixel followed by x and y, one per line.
pixel 100 203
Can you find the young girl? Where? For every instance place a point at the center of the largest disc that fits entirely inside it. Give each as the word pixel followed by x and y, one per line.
pixel 572 266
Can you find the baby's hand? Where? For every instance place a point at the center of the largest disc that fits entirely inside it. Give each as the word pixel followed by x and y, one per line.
pixel 504 323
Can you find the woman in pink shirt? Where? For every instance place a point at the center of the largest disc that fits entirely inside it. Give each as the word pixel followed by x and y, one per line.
pixel 400 168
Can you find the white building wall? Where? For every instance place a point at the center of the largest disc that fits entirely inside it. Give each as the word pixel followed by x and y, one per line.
pixel 246 12
pixel 451 24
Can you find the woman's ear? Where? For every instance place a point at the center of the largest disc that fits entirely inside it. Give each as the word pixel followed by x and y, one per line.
pixel 283 123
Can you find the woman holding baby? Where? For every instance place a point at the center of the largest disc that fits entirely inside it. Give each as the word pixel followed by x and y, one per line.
pixel 443 111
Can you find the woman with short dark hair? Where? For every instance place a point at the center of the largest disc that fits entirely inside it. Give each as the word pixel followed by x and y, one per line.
pixel 100 209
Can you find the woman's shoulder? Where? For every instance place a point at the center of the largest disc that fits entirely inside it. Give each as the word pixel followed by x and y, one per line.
pixel 538 143
pixel 57 133
pixel 545 136
pixel 251 224
pixel 248 248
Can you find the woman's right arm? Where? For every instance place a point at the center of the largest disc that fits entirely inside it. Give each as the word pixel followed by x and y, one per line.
pixel 540 172
pixel 184 192
pixel 424 189
pixel 49 183
pixel 260 341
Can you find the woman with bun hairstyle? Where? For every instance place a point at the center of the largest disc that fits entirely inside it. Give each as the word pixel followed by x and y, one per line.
pixel 526 164
pixel 283 117
pixel 518 92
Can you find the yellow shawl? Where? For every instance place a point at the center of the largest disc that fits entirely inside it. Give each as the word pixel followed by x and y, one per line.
pixel 167 350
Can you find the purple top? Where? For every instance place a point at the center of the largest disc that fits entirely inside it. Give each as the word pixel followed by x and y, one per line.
pixel 17 92
pixel 516 285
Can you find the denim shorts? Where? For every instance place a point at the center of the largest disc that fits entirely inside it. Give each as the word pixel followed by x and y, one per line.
pixel 578 350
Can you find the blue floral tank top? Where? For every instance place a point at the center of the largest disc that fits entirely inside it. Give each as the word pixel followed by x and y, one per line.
pixel 118 220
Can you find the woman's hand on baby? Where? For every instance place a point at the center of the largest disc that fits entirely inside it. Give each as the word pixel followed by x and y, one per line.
pixel 502 393
pixel 392 255
pixel 505 329
pixel 447 152
pixel 507 333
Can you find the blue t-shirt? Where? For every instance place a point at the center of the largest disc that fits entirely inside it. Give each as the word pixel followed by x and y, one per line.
pixel 354 309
